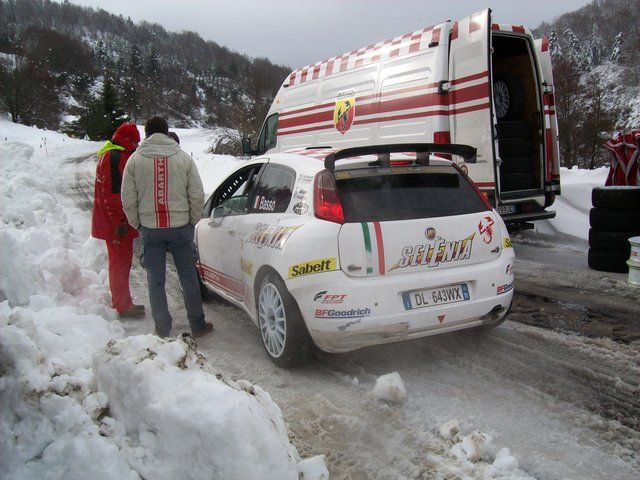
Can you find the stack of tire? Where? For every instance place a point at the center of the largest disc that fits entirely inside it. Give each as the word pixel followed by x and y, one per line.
pixel 614 218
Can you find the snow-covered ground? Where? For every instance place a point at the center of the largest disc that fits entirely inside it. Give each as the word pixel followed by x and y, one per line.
pixel 84 395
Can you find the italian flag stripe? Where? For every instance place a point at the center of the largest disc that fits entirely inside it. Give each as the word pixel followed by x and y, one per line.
pixel 367 246
pixel 380 242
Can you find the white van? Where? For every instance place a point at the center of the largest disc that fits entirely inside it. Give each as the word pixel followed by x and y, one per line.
pixel 470 82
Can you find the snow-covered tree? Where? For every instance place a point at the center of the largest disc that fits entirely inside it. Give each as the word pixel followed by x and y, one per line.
pixel 616 50
pixel 554 44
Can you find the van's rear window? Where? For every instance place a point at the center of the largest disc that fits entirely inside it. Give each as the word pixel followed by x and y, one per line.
pixel 403 193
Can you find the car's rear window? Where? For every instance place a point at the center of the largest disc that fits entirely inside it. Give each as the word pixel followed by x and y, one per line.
pixel 403 193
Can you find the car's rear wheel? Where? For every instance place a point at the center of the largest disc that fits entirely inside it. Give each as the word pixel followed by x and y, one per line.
pixel 284 334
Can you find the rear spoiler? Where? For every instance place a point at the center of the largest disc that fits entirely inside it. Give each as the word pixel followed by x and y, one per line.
pixel 422 150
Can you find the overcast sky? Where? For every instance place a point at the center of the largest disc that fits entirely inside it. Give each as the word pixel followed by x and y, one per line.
pixel 301 32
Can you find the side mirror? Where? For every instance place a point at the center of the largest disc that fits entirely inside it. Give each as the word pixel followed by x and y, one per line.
pixel 217 215
pixel 246 147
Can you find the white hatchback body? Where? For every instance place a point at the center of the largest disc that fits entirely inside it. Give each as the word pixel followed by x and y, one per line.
pixel 388 269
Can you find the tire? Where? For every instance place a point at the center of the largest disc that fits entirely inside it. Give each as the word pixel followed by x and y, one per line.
pixel 608 261
pixel 611 241
pixel 517 164
pixel 513 129
pixel 515 147
pixel 616 197
pixel 508 97
pixel 614 220
pixel 282 329
pixel 205 294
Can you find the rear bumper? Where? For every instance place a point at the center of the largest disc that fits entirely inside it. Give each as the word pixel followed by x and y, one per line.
pixel 344 313
pixel 528 217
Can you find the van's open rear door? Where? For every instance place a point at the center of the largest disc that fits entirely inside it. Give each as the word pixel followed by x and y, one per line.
pixel 552 150
pixel 470 106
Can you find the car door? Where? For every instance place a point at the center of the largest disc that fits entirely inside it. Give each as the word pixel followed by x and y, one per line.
pixel 217 238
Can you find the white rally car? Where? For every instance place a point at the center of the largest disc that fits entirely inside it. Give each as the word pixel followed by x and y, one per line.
pixel 356 247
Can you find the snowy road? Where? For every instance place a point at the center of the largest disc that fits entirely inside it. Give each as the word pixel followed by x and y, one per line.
pixel 566 405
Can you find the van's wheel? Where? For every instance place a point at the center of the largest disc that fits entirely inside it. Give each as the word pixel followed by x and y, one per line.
pixel 284 334
pixel 508 97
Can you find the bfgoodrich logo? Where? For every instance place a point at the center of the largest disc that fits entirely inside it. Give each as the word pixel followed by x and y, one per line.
pixel 351 313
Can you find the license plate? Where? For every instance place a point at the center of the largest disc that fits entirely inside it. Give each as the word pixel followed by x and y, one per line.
pixel 435 296
pixel 506 209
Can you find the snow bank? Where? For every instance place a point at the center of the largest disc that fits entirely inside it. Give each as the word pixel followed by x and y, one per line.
pixel 163 412
pixel 184 421
pixel 390 388
pixel 48 409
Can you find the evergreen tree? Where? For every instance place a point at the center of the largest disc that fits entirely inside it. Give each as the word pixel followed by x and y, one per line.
pixel 102 116
pixel 554 44
pixel 616 50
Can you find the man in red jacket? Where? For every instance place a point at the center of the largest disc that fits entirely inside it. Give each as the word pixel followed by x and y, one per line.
pixel 109 222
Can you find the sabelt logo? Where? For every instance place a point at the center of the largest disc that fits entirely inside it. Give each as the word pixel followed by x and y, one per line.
pixel 506 243
pixel 314 266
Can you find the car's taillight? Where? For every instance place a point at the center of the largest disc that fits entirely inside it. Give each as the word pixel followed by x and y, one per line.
pixel 442 137
pixel 326 203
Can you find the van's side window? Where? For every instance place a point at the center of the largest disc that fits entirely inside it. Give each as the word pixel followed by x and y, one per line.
pixel 273 193
pixel 269 134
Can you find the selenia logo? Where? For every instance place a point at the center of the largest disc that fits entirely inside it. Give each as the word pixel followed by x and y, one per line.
pixel 432 254
pixel 314 266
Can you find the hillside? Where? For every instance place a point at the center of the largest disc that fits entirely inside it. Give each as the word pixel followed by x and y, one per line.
pixel 56 57
pixel 596 57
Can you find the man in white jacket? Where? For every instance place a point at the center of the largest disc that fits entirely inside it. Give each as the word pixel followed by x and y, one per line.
pixel 162 197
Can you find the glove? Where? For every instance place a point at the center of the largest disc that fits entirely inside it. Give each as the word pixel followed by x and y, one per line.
pixel 121 230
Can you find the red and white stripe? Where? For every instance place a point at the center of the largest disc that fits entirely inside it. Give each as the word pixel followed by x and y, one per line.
pixel 161 191
pixel 510 28
pixel 401 45
pixel 467 94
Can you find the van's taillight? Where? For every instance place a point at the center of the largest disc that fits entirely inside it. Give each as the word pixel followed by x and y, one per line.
pixel 442 137
pixel 326 203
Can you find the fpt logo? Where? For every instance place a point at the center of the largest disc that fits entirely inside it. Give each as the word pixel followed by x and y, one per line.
pixel 345 111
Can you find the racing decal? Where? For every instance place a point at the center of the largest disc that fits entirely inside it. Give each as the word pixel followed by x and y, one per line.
pixel 506 242
pixel 510 270
pixel 262 203
pixel 232 286
pixel 300 208
pixel 340 314
pixel 304 178
pixel 430 233
pixel 374 252
pixel 160 191
pixel 344 111
pixel 272 236
pixel 485 227
pixel 314 266
pixel 246 266
pixel 329 298
pixel 433 254
pixel 301 194
pixel 504 288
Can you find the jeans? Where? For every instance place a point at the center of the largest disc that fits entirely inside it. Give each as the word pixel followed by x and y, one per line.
pixel 179 241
